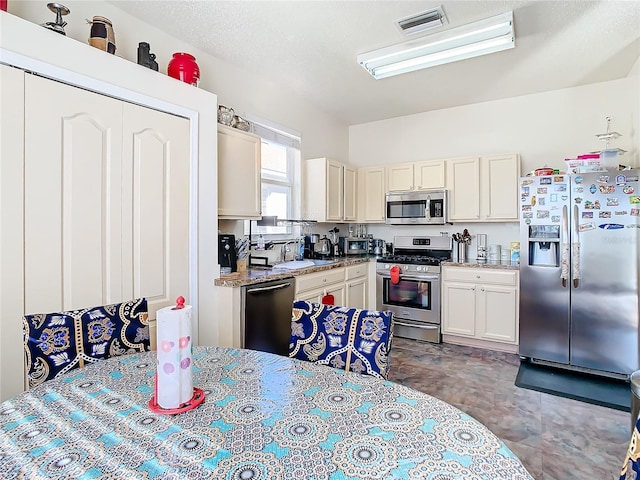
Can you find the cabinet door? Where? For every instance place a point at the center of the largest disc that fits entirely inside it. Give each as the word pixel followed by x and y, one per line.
pixel 72 198
pixel 371 192
pixel 497 313
pixel 350 194
pixel 313 296
pixel 239 174
pixel 339 294
pixel 12 240
pixel 463 181
pixel 429 174
pixel 155 248
pixel 356 293
pixel 500 175
pixel 400 177
pixel 459 308
pixel 334 191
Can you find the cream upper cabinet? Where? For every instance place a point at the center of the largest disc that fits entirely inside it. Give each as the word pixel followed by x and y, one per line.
pixel 350 194
pixel 330 191
pixel 371 194
pixel 425 175
pixel 483 188
pixel 500 175
pixel 400 177
pixel 480 304
pixel 239 174
pixel 429 174
pixel 463 183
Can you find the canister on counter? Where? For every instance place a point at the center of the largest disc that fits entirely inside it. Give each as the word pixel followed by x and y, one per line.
pixel 505 255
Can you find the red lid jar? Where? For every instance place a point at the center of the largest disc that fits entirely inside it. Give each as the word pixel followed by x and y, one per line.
pixel 183 66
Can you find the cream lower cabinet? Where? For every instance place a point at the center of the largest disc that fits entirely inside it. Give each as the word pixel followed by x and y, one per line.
pixel 480 305
pixel 356 285
pixel 314 286
pixel 239 174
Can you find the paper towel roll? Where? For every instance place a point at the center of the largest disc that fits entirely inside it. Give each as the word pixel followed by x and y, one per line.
pixel 174 381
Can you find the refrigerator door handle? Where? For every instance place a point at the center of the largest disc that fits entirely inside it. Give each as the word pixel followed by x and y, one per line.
pixel 575 249
pixel 564 261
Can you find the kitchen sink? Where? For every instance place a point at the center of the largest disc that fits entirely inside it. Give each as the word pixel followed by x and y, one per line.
pixel 297 264
pixel 324 262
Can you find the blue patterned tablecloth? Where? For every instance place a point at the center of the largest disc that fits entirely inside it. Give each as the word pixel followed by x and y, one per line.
pixel 265 417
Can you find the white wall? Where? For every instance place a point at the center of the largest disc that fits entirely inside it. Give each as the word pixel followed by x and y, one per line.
pixel 543 128
pixel 241 90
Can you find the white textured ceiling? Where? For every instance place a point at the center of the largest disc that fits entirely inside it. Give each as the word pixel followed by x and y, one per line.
pixel 311 46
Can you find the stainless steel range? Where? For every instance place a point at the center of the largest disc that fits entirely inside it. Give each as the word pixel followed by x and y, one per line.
pixel 408 284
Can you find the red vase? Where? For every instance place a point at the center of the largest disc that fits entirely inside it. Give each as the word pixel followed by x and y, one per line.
pixel 183 66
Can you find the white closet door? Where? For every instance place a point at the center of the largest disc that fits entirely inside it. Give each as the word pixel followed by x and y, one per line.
pixel 155 207
pixel 11 233
pixel 72 198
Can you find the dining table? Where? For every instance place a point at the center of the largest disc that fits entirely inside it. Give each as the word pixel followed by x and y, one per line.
pixel 264 417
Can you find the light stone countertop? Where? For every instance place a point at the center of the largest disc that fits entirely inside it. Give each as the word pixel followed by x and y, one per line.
pixel 475 264
pixel 252 275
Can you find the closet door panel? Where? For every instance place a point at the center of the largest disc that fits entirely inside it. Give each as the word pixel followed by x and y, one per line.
pixel 73 146
pixel 11 233
pixel 156 206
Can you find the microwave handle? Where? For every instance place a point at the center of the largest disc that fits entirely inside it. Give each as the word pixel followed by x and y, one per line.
pixel 427 210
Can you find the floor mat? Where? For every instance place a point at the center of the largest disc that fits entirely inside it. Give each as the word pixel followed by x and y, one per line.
pixel 578 386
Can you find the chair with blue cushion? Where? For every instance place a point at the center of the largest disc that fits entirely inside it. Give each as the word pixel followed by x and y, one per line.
pixel 55 343
pixel 353 339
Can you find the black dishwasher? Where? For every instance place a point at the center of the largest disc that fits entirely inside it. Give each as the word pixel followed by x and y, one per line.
pixel 266 314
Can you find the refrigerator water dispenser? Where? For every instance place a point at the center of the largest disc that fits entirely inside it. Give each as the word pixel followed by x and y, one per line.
pixel 544 254
pixel 544 243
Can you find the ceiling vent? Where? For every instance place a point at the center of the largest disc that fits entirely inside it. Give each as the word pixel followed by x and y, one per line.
pixel 423 21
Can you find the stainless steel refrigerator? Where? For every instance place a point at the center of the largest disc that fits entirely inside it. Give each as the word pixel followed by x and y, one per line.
pixel 579 274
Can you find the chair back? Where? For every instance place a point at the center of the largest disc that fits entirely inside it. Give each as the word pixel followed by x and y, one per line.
pixel 55 343
pixel 631 466
pixel 353 339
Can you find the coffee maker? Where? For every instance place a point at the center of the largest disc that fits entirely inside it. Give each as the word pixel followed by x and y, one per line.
pixel 310 245
pixel 379 247
pixel 227 251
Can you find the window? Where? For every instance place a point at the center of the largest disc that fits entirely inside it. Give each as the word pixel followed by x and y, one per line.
pixel 280 178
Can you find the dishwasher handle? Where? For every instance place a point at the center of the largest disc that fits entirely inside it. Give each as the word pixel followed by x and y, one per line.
pixel 268 289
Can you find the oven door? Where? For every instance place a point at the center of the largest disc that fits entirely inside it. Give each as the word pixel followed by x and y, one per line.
pixel 413 297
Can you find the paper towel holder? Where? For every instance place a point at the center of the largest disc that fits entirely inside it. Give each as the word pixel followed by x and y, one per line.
pixel 197 399
pixel 198 394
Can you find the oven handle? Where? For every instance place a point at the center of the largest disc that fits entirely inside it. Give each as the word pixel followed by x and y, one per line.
pixel 406 277
pixel 413 325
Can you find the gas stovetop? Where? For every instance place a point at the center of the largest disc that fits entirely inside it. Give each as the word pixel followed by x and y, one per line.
pixel 415 259
pixel 425 250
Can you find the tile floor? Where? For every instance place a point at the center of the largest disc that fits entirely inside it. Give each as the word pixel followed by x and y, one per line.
pixel 555 438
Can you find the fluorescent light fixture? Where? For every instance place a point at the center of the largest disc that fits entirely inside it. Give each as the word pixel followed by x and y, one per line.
pixel 486 36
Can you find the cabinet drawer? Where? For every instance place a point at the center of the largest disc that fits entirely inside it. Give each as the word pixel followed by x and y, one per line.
pixel 356 271
pixel 319 280
pixel 480 275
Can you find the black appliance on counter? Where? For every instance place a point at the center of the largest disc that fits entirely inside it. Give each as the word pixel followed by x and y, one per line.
pixel 227 251
pixel 318 248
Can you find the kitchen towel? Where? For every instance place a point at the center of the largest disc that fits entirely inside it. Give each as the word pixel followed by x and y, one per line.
pixel 174 381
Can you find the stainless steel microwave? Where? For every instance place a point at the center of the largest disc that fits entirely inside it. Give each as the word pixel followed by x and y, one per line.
pixel 427 207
